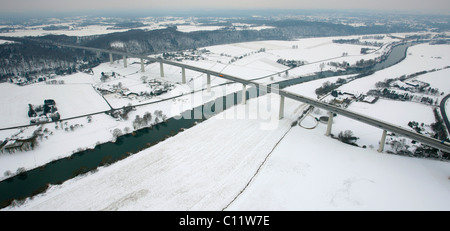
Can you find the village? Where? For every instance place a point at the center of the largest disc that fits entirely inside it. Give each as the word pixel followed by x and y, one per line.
pixel 43 113
pixel 147 90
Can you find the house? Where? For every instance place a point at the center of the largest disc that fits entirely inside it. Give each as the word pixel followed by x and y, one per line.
pixel 49 102
pixel 16 144
pixel 369 99
pixel 416 85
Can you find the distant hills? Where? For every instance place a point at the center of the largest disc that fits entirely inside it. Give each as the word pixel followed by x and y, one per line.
pixel 26 57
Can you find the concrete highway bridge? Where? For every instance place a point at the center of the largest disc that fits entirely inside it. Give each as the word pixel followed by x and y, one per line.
pixel 384 126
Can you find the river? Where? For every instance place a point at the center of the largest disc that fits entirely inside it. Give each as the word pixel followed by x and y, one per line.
pixel 37 180
pixel 397 54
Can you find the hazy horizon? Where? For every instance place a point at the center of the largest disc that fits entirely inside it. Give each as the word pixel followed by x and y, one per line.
pixel 21 7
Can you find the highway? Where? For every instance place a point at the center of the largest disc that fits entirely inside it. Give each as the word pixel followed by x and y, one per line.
pixel 444 146
pixel 441 145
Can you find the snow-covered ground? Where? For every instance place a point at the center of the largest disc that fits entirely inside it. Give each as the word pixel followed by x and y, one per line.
pixel 5 42
pixel 310 172
pixel 422 57
pixel 80 31
pixel 148 24
pixel 203 169
pixel 309 88
pixel 395 112
pixel 191 28
pixel 77 97
pixel 312 51
pixel 439 79
pixel 71 100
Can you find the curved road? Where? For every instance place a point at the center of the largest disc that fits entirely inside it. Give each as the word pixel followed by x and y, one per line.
pixel 444 113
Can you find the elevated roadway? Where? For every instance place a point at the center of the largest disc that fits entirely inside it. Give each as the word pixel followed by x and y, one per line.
pixel 385 126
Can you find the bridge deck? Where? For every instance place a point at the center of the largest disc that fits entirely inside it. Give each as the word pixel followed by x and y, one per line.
pixel 441 145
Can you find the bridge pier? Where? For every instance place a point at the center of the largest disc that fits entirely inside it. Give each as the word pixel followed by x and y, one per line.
pixel 125 61
pixel 111 60
pixel 183 75
pixel 330 123
pixel 161 69
pixel 142 65
pixel 208 82
pixel 382 142
pixel 281 113
pixel 244 94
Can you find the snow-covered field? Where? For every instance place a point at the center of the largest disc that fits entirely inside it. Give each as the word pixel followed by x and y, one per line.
pixel 71 100
pixel 77 97
pixel 5 42
pixel 439 79
pixel 422 57
pixel 80 31
pixel 107 28
pixel 313 51
pixel 395 112
pixel 309 88
pixel 191 28
pixel 309 172
pixel 207 166
pixel 203 169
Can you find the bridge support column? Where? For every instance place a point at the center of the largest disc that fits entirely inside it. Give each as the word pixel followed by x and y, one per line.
pixel 111 60
pixel 244 94
pixel 125 61
pixel 382 142
pixel 142 65
pixel 161 69
pixel 330 123
pixel 208 82
pixel 281 113
pixel 183 75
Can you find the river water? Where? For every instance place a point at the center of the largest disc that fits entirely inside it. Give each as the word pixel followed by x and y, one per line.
pixel 397 54
pixel 37 180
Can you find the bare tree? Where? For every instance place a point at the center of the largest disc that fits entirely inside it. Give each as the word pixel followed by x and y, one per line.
pixel 322 65
pixel 144 79
pixel 117 132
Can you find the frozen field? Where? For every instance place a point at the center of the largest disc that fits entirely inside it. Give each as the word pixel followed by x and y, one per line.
pixel 203 168
pixel 59 143
pixel 395 112
pixel 313 51
pixel 439 79
pixel 309 88
pixel 310 172
pixel 71 100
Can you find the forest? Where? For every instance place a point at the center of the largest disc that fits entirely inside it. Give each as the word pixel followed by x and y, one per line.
pixel 28 56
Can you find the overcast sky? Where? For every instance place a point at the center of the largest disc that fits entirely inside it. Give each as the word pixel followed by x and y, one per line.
pixel 421 6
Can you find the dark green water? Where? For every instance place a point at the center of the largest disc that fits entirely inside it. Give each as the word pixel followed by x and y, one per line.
pixel 37 180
